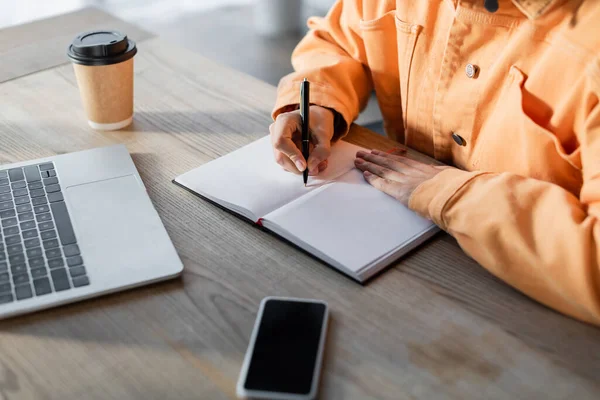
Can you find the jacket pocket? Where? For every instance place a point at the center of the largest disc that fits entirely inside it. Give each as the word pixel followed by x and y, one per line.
pixel 389 47
pixel 510 140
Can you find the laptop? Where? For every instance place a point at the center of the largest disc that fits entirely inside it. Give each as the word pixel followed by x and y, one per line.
pixel 77 226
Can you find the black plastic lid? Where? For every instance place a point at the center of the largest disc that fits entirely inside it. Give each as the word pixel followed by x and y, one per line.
pixel 101 48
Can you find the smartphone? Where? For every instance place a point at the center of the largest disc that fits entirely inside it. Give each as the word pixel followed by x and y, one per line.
pixel 283 360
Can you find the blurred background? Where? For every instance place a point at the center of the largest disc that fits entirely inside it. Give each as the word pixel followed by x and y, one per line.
pixel 254 36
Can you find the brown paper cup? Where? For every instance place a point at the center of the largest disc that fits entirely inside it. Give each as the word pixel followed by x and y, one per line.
pixel 107 94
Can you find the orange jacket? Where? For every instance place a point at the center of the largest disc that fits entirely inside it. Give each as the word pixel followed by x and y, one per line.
pixel 519 89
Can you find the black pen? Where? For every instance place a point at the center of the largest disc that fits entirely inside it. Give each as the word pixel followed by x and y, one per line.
pixel 304 112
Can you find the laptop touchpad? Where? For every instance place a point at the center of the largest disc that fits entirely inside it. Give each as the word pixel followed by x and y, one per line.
pixel 114 221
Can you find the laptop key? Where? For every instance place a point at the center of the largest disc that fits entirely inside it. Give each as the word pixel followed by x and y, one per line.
pixel 77 271
pixel 36 185
pixel 16 174
pixel 42 286
pixel 53 253
pixel 60 279
pixel 38 201
pixel 6 197
pixel 37 262
pixel 54 197
pixel 63 223
pixel 7 214
pixel 19 185
pixel 3 181
pixel 52 188
pixel 16 258
pixel 38 272
pixel 44 226
pixel 14 249
pixel 4 189
pixel 26 216
pixel 3 173
pixel 6 205
pixel 20 192
pixel 13 230
pixel 23 292
pixel 43 217
pixel 4 276
pixel 24 208
pixel 81 281
pixel 6 298
pixel 46 166
pixel 71 250
pixel 3 267
pixel 32 174
pixel 31 233
pixel 10 240
pixel 18 268
pixel 2 256
pixel 41 209
pixel 20 279
pixel 56 263
pixel 5 287
pixel 9 222
pixel 37 193
pixel 50 234
pixel 73 261
pixel 27 225
pixel 22 200
pixel 29 243
pixel 32 253
pixel 50 181
pixel 48 244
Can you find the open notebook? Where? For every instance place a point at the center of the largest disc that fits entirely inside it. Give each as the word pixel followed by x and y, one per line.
pixel 338 217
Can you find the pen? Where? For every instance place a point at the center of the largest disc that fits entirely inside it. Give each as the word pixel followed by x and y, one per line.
pixel 304 112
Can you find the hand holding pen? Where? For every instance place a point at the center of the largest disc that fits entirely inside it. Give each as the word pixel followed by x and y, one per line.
pixel 286 138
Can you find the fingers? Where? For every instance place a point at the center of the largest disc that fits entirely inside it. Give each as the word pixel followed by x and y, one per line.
pixel 285 162
pixel 318 155
pixel 286 152
pixel 384 172
pixel 400 156
pixel 285 137
pixel 320 168
pixel 381 160
pixel 385 185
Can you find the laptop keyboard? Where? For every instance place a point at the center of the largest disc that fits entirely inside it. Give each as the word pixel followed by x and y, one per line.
pixel 38 248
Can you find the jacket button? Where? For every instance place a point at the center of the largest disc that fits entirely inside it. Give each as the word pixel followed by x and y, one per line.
pixel 471 70
pixel 459 140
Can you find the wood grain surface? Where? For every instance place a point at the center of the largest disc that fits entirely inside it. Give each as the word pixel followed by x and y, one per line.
pixel 39 45
pixel 434 326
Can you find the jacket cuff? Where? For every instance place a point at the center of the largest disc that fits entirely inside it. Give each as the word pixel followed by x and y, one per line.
pixel 430 198
pixel 288 98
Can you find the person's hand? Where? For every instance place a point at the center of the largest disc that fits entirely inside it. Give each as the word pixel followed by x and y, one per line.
pixel 395 174
pixel 286 136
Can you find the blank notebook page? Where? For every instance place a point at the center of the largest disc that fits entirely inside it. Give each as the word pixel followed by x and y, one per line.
pixel 249 177
pixel 350 222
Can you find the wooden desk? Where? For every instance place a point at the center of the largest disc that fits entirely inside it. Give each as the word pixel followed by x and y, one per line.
pixel 436 325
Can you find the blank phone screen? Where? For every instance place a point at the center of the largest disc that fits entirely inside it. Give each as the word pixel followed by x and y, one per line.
pixel 286 347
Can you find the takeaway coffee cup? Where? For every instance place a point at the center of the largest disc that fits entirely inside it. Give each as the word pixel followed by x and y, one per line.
pixel 103 63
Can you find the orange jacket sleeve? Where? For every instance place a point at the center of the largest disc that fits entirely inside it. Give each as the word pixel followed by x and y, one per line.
pixel 331 57
pixel 535 235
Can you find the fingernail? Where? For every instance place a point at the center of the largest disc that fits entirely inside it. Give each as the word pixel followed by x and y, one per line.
pixel 376 152
pixel 300 165
pixel 367 173
pixel 361 154
pixel 359 161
